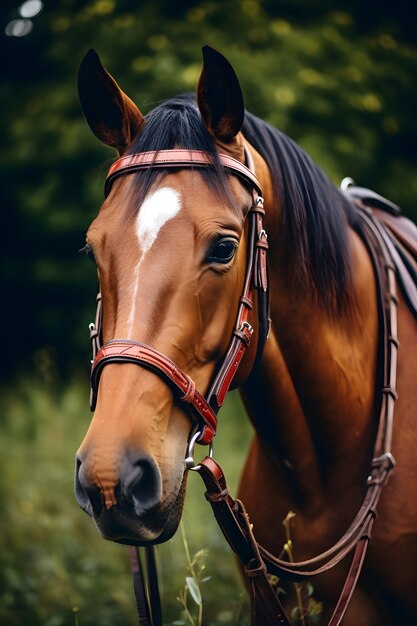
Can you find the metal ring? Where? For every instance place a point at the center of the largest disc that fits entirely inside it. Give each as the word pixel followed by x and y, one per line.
pixel 91 327
pixel 346 183
pixel 189 459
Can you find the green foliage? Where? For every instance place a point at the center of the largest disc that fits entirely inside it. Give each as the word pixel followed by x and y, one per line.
pixel 338 78
pixel 53 559
pixel 193 582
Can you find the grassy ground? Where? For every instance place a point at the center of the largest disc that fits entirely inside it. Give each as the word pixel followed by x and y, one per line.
pixel 52 557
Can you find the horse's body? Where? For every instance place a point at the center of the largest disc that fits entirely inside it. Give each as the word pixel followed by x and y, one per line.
pixel 311 397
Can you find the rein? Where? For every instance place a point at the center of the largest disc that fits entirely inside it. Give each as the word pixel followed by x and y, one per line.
pixel 230 514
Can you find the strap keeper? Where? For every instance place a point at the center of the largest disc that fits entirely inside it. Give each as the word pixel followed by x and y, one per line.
pixel 391 297
pixel 255 570
pixel 258 206
pixel 381 468
pixel 216 497
pixel 189 393
pixel 391 392
pixel 246 301
pixel 385 461
pixel 394 341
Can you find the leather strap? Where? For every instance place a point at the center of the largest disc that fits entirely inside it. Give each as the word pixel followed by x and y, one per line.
pixel 369 197
pixel 177 158
pixel 235 525
pixel 256 276
pixel 126 351
pixel 148 601
pixel 139 587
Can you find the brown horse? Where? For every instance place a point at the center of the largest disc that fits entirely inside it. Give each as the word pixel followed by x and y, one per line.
pixel 170 247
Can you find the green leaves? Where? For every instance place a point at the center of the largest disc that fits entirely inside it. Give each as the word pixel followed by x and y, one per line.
pixel 194 590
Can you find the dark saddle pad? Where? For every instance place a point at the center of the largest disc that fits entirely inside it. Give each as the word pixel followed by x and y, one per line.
pixel 400 235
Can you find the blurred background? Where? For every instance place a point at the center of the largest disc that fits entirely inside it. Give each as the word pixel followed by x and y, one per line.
pixel 337 76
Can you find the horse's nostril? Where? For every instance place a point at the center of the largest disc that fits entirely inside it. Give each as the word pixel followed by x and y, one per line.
pixel 142 484
pixel 88 496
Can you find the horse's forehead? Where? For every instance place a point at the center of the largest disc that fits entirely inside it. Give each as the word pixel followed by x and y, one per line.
pixel 183 194
pixel 157 209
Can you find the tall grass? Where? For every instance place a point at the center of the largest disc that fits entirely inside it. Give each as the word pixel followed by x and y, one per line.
pixel 55 569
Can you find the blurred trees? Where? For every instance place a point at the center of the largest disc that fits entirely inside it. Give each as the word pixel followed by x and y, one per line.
pixel 336 76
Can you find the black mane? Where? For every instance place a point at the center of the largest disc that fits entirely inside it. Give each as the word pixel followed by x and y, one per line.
pixel 314 211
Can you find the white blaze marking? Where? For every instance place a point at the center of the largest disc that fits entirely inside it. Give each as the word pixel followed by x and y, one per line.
pixel 157 210
pixel 160 207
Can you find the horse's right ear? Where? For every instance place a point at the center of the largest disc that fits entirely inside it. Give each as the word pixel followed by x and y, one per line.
pixel 110 113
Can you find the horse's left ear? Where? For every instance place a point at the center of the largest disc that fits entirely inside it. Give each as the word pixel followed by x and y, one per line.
pixel 110 113
pixel 219 97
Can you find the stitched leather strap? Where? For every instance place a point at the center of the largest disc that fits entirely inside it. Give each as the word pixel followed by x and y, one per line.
pixel 256 277
pixel 235 525
pixel 177 158
pixel 126 351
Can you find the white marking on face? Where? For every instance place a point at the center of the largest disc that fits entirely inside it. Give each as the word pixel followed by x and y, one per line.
pixel 157 210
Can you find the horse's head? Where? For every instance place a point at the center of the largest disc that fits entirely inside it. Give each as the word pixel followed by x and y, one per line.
pixel 170 247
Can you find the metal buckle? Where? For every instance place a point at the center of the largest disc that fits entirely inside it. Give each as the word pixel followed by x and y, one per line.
pixel 248 326
pixel 189 459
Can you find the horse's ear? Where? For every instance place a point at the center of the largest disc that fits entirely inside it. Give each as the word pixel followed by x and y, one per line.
pixel 219 96
pixel 110 113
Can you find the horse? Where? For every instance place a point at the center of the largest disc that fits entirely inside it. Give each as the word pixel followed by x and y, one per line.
pixel 171 243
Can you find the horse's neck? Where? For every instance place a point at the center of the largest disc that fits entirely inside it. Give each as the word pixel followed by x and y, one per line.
pixel 311 397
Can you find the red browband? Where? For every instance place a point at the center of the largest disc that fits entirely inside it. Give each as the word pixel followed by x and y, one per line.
pixel 177 158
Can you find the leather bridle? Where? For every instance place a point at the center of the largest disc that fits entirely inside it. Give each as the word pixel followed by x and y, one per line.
pixel 233 520
pixel 203 410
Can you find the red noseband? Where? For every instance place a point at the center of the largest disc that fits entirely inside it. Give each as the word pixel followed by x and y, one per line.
pixel 202 410
pixel 125 351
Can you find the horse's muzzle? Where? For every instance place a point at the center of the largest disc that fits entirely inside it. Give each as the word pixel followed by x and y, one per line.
pixel 127 509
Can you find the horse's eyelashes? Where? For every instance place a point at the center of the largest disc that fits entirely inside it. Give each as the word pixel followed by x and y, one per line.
pixel 223 250
pixel 88 252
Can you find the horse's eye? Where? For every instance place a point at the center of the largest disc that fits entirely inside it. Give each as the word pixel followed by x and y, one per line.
pixel 88 251
pixel 223 251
